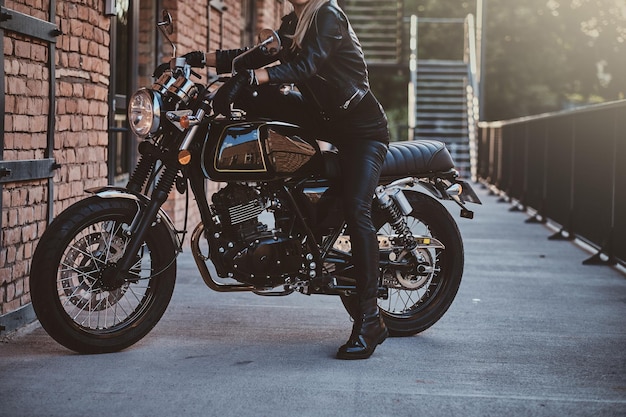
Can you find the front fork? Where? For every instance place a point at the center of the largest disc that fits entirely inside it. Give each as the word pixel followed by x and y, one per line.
pixel 147 215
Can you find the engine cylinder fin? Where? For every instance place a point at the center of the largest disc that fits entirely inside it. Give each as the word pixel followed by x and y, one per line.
pixel 244 212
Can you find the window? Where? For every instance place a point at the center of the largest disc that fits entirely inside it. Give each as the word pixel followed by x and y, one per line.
pixel 134 53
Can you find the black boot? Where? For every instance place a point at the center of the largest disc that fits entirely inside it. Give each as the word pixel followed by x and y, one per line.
pixel 368 331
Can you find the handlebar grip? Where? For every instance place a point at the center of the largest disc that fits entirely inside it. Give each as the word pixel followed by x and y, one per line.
pixel 196 59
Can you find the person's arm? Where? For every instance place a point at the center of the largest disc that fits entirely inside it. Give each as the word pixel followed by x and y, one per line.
pixel 318 45
pixel 211 59
pixel 262 77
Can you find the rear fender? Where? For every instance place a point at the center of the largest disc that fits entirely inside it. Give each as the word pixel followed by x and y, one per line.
pixel 457 191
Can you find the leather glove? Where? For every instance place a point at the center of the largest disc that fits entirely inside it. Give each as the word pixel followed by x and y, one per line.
pixel 228 93
pixel 196 59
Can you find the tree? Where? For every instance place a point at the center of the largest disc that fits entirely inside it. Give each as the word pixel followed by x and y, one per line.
pixel 541 55
pixel 544 55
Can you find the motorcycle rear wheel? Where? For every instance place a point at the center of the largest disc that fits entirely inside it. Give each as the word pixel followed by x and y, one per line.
pixel 415 302
pixel 76 301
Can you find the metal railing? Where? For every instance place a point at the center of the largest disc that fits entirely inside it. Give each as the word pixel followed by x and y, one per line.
pixel 569 167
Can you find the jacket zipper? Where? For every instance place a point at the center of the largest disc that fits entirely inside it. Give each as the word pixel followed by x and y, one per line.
pixel 348 101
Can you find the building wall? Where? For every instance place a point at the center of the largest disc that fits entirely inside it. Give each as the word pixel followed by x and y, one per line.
pixel 80 139
pixel 82 77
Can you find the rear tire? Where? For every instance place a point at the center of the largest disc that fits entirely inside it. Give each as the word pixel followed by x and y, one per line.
pixel 416 302
pixel 77 302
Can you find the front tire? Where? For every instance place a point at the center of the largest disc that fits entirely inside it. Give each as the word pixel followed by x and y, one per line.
pixel 74 294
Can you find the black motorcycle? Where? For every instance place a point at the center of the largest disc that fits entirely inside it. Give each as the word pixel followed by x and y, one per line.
pixel 104 270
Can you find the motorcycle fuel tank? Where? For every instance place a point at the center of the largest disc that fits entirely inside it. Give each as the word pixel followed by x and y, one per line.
pixel 261 150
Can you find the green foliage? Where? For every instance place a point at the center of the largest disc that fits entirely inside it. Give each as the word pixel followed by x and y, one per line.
pixel 541 55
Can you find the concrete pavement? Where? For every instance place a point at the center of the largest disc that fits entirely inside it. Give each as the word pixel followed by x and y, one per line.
pixel 532 332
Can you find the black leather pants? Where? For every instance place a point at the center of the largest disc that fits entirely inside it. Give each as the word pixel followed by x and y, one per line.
pixel 361 162
pixel 362 138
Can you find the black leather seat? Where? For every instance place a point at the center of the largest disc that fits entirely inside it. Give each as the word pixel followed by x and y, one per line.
pixel 404 159
pixel 414 158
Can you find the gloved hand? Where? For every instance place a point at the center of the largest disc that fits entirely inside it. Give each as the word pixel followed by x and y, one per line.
pixel 196 59
pixel 228 92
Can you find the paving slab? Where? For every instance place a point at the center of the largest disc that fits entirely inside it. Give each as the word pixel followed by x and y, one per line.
pixel 532 332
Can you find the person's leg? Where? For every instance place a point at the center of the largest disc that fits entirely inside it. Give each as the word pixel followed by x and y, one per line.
pixel 361 162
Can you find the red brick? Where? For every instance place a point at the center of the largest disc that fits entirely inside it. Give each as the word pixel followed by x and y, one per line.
pixel 19 287
pixel 11 305
pixel 72 11
pixel 83 13
pixel 22 49
pixel 16 86
pixel 74 45
pixel 21 123
pixel 8 46
pixel 76 28
pixel 39 53
pixel 12 237
pixel 10 291
pixel 5 276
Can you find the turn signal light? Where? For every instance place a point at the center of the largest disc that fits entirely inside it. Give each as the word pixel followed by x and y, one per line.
pixel 185 122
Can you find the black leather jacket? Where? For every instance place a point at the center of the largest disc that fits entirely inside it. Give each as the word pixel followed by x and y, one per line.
pixel 329 69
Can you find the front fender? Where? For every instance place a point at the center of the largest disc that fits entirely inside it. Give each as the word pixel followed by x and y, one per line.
pixel 142 201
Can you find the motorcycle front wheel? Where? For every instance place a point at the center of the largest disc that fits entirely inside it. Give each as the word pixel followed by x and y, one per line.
pixel 419 292
pixel 76 293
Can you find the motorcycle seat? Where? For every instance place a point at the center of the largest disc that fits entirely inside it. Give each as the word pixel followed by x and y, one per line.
pixel 415 158
pixel 404 159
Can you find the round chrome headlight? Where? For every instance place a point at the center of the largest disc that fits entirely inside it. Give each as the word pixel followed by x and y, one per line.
pixel 144 112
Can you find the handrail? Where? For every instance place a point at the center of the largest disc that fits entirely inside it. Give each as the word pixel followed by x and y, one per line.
pixel 473 93
pixel 470 52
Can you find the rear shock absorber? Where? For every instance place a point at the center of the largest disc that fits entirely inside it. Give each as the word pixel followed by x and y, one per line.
pixel 397 206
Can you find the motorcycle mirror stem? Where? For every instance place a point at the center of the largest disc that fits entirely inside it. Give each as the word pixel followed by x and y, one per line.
pixel 166 28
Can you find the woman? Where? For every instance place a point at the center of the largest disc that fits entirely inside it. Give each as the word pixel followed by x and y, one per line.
pixel 321 55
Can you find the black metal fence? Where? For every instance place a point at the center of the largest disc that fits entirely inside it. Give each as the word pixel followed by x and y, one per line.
pixel 569 167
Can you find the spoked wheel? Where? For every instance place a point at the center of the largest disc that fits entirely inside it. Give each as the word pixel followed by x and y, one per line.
pixel 80 297
pixel 422 283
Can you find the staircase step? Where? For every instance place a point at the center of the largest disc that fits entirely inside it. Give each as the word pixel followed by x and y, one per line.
pixel 423 92
pixel 439 99
pixel 441 108
pixel 438 124
pixel 440 115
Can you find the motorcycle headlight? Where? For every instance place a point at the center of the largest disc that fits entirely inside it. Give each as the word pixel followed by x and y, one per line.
pixel 144 112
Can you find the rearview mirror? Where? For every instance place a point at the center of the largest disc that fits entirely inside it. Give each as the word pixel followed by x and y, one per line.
pixel 269 42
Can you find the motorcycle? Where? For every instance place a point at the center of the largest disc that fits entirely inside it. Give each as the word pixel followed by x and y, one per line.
pixel 103 272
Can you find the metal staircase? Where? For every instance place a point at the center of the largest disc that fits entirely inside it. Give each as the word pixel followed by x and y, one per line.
pixel 441 107
pixel 379 25
pixel 443 98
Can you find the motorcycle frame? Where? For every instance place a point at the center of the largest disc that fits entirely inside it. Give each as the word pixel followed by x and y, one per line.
pixel 150 210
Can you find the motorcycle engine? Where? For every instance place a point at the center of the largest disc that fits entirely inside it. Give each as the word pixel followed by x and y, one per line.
pixel 248 249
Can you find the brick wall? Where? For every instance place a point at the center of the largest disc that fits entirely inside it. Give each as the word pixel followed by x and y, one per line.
pixel 82 74
pixel 26 116
pixel 81 88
